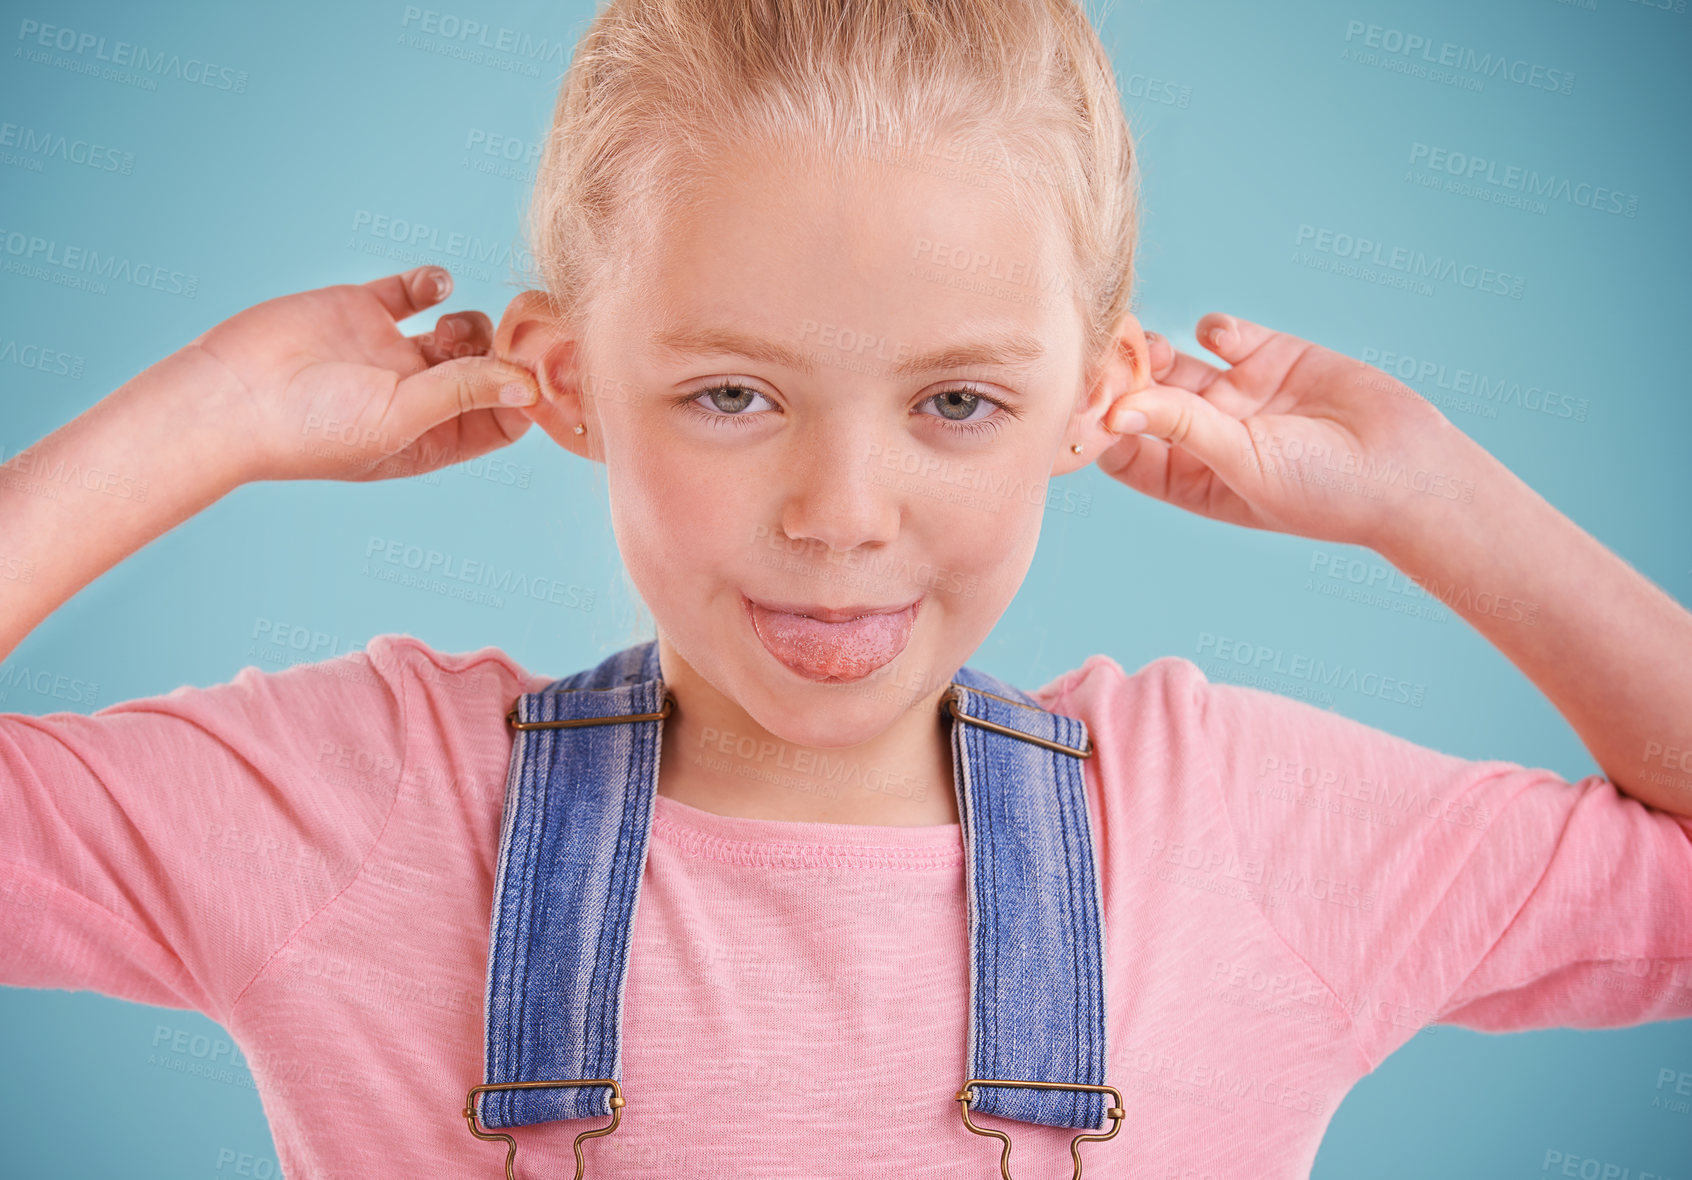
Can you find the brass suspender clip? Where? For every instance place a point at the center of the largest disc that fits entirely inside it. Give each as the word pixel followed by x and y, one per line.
pixel 511 1144
pixel 1114 1112
pixel 954 694
pixel 669 704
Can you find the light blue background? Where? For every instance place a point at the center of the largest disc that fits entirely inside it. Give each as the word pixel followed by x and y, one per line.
pixel 1270 128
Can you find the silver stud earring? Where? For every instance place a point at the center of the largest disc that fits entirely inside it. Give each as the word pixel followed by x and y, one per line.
pixel 580 429
pixel 1076 447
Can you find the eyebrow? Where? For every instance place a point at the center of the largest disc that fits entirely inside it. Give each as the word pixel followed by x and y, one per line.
pixel 1006 348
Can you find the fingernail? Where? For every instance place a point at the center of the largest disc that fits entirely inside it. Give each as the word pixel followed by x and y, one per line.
pixel 1127 421
pixel 515 393
pixel 443 284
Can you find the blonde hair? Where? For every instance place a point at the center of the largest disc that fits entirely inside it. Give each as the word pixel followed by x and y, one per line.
pixel 658 89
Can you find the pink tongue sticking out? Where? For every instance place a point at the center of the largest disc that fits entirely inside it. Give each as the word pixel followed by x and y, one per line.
pixel 844 651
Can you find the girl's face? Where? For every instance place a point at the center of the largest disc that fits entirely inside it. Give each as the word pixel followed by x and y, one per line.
pixel 820 399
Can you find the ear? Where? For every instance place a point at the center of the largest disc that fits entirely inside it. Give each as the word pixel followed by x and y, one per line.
pixel 530 335
pixel 1126 369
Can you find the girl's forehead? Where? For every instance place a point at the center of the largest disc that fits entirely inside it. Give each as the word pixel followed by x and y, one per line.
pixel 797 263
pixel 777 209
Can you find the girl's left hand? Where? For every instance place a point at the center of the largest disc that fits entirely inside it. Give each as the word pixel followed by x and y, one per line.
pixel 1292 437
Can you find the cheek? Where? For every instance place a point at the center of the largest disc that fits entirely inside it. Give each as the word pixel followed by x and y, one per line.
pixel 980 539
pixel 669 520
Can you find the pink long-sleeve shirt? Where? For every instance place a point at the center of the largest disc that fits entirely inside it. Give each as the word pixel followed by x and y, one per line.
pixel 308 857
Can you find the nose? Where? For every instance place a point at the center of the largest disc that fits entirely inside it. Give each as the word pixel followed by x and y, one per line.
pixel 835 497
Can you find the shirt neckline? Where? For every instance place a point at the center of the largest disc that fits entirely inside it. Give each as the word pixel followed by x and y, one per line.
pixel 777 843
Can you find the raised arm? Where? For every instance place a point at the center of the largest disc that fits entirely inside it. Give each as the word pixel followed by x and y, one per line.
pixel 163 849
pixel 1610 649
pixel 1297 438
pixel 139 462
pixel 315 385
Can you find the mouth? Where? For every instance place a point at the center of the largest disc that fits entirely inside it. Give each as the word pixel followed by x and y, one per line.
pixel 835 645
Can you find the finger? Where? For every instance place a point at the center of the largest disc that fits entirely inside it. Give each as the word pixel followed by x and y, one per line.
pixel 458 441
pixel 1188 372
pixel 1230 337
pixel 1266 355
pixel 1154 468
pixel 481 431
pixel 1140 461
pixel 1170 366
pixel 411 291
pixel 454 388
pixel 1194 425
pixel 474 332
pixel 464 333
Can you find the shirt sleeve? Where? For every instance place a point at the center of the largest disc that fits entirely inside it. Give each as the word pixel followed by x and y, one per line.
pixel 163 849
pixel 1422 887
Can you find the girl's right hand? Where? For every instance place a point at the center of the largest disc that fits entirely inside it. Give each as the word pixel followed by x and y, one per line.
pixel 323 385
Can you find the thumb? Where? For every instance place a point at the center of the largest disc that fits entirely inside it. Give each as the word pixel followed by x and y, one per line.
pixel 454 388
pixel 1187 420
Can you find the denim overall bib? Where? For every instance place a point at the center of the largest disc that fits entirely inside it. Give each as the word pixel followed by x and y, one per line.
pixel 572 849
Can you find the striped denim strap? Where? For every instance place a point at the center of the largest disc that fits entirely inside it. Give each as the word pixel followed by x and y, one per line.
pixel 1037 998
pixel 573 841
pixel 573 846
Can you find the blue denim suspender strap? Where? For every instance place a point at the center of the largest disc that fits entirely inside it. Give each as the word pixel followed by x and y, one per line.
pixel 573 844
pixel 1036 937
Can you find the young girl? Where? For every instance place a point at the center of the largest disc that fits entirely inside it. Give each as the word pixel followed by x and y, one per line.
pixel 829 382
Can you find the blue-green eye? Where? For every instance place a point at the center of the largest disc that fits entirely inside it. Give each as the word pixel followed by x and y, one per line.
pixel 960 409
pixel 959 405
pixel 728 400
